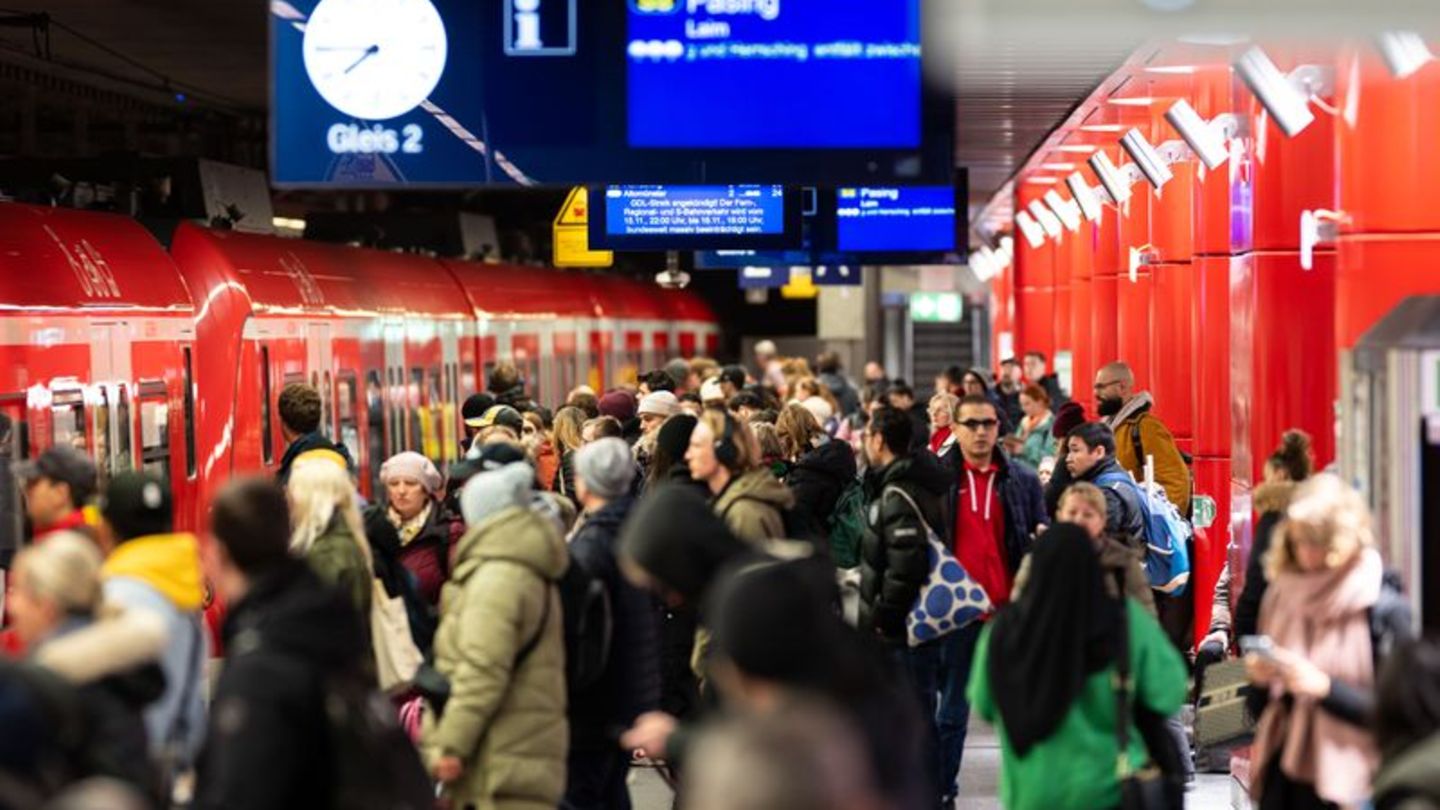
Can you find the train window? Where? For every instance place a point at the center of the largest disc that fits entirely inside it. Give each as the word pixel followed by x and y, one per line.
pixel 189 416
pixel 468 383
pixel 348 423
pixel 14 441
pixel 375 407
pixel 267 442
pixel 436 436
pixel 67 419
pixel 123 428
pixel 154 429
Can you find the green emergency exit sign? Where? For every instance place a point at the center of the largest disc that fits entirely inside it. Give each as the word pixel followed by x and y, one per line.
pixel 929 307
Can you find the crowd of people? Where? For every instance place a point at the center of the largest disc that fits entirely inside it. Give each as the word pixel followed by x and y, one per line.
pixel 775 586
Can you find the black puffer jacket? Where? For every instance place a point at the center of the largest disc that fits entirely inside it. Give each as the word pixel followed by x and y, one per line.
pixel 630 684
pixel 894 560
pixel 288 639
pixel 817 480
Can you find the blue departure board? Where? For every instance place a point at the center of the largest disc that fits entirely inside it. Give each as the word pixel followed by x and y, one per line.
pixel 896 219
pixel 682 217
pixel 766 74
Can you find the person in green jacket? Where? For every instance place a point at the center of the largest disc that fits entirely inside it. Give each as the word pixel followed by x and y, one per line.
pixel 501 739
pixel 1032 440
pixel 1044 675
pixel 328 531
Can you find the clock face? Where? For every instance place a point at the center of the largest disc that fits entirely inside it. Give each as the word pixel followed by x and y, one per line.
pixel 375 59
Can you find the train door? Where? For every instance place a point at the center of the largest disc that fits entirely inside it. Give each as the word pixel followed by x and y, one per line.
pixel 110 399
pixel 449 411
pixel 14 447
pixel 318 361
pixel 565 353
pixel 396 412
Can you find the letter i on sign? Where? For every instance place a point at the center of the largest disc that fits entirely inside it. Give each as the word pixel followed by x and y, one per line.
pixel 527 25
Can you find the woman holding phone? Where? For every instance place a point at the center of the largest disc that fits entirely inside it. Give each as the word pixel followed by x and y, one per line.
pixel 1328 617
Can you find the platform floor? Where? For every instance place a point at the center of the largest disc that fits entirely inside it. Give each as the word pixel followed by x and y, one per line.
pixel 979 781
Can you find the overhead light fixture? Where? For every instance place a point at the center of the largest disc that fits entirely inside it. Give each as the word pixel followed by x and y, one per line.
pixel 1209 140
pixel 1046 218
pixel 1057 167
pixel 1077 148
pixel 1085 197
pixel 1286 97
pixel 1404 52
pixel 1102 128
pixel 1066 210
pixel 984 264
pixel 1131 101
pixel 1117 181
pixel 1041 181
pixel 1153 165
pixel 1030 229
pixel 1006 251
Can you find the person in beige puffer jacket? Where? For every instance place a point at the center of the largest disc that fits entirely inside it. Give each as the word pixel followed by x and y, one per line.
pixel 501 741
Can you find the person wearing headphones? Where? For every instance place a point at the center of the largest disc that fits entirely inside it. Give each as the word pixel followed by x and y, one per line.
pixel 725 457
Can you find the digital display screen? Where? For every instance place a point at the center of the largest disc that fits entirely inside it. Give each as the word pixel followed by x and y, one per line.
pixel 896 219
pixel 460 93
pixel 774 73
pixel 675 217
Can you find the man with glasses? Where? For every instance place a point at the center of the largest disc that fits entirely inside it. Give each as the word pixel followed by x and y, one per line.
pixel 1139 433
pixel 996 508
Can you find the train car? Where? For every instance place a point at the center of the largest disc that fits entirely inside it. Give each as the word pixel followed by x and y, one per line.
pixel 174 362
pixel 388 339
pixel 98 350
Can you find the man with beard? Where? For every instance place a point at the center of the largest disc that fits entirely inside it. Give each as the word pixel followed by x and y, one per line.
pixel 1139 433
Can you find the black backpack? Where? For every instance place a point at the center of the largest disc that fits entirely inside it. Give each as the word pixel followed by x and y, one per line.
pixel 589 626
pixel 373 764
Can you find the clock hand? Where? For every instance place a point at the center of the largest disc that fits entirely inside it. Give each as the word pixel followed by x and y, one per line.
pixel 343 47
pixel 369 52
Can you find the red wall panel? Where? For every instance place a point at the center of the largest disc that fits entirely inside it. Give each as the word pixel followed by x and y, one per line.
pixel 1132 326
pixel 1211 341
pixel 1172 350
pixel 1104 332
pixel 1374 274
pixel 1294 376
pixel 1385 140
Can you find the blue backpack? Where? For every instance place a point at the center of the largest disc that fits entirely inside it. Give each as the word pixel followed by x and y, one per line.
pixel 1167 534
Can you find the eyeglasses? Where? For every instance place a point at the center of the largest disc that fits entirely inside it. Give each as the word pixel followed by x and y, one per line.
pixel 1101 386
pixel 980 424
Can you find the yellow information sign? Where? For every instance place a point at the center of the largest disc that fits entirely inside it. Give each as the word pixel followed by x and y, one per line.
pixel 572 234
pixel 801 286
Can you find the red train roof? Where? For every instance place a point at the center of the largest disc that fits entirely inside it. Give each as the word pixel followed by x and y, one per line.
pixel 64 259
pixel 288 275
pixel 505 289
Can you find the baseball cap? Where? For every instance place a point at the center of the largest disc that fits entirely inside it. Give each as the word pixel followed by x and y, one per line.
pixel 735 375
pixel 64 465
pixel 137 504
pixel 501 416
pixel 475 407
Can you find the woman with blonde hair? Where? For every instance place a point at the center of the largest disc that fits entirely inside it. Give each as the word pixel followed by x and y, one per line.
pixel 1327 619
pixel 569 437
pixel 941 409
pixel 328 532
pixel 820 470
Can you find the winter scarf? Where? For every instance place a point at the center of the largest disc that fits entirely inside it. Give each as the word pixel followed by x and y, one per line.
pixel 1324 617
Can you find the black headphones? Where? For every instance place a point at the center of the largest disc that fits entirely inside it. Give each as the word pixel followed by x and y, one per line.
pixel 725 451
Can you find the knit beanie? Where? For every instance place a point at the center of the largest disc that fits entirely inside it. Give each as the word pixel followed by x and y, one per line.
pixel 1070 416
pixel 411 464
pixel 619 404
pixel 490 492
pixel 659 403
pixel 606 467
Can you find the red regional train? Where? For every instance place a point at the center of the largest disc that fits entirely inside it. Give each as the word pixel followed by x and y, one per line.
pixel 173 361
